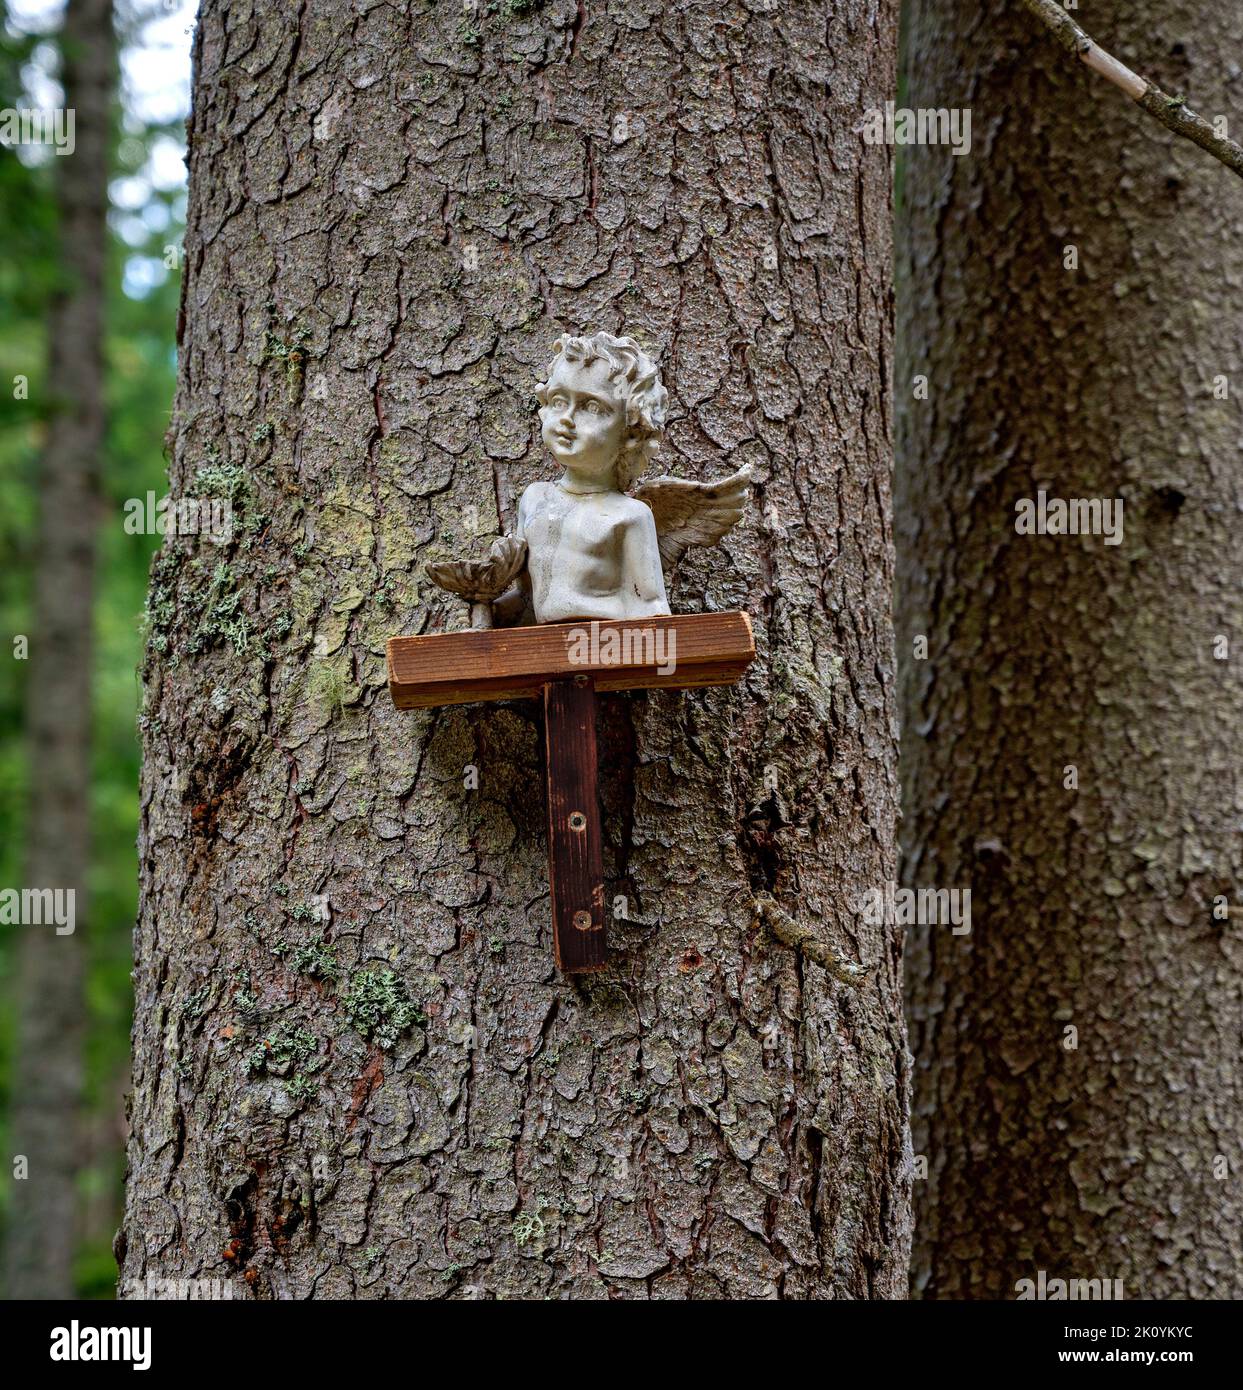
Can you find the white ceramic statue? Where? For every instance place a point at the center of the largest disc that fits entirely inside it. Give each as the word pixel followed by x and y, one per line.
pixel 585 547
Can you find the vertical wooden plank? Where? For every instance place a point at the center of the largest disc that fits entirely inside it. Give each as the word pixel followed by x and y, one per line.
pixel 575 865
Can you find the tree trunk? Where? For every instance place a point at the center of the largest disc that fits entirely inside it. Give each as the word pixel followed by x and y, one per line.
pixel 392 216
pixel 1078 1088
pixel 51 1007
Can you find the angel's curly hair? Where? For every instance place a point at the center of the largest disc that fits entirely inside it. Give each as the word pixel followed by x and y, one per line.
pixel 639 389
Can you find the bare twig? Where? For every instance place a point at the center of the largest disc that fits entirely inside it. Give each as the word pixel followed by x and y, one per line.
pixel 799 938
pixel 1172 112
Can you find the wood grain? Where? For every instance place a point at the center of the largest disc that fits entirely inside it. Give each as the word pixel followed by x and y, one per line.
pixel 454 668
pixel 575 863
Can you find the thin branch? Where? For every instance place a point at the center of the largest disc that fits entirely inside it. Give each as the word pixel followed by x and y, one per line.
pixel 1172 112
pixel 800 938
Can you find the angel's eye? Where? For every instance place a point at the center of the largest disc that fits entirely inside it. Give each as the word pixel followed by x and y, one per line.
pixel 592 408
pixel 558 402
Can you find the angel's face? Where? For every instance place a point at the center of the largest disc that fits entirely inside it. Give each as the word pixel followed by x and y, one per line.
pixel 582 422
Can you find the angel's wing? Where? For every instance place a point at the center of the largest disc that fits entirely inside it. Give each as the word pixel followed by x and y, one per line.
pixel 689 514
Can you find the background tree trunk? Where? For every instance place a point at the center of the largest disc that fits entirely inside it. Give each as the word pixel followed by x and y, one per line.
pixel 1092 908
pixel 51 1007
pixel 392 215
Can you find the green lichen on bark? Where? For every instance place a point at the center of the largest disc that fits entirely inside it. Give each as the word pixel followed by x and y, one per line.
pixel 379 1007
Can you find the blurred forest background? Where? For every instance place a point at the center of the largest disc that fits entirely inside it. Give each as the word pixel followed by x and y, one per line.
pixel 146 208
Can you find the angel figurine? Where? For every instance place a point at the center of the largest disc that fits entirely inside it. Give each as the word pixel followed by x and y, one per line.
pixel 593 548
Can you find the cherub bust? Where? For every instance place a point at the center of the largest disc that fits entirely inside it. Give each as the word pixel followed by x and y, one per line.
pixel 592 552
pixel 584 547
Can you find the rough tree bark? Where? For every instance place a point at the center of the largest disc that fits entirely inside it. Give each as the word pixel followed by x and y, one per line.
pixel 393 212
pixel 1093 909
pixel 48 1067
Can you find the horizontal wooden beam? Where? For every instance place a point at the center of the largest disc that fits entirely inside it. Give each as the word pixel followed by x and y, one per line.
pixel 678 652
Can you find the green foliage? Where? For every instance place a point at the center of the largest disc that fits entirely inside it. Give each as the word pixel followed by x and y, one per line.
pixel 140 370
pixel 379 1007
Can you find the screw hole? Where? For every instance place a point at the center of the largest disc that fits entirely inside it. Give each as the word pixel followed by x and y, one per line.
pixel 582 920
pixel 578 821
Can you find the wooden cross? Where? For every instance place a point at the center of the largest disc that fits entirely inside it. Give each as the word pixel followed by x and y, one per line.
pixel 568 663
